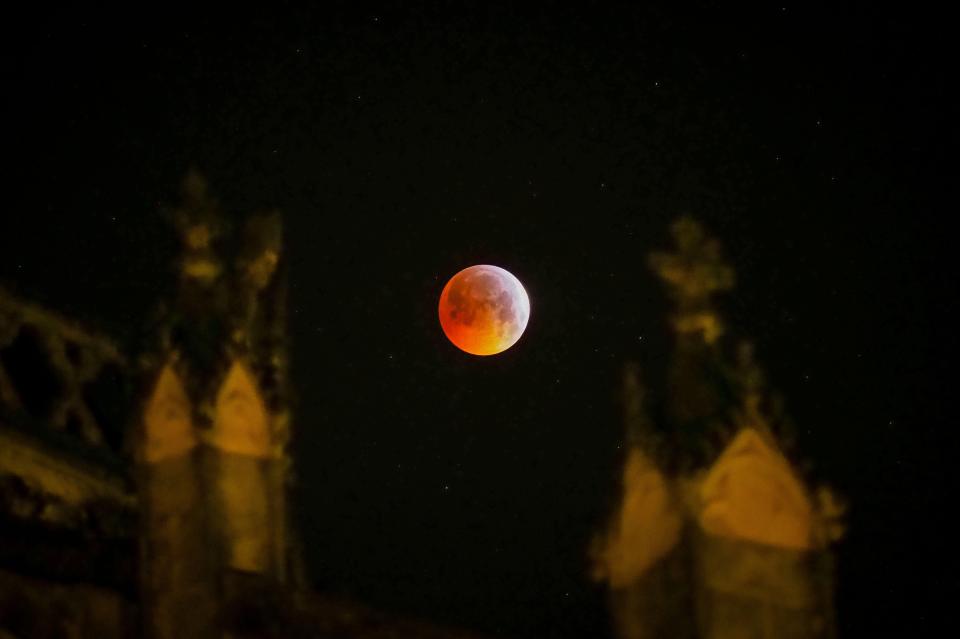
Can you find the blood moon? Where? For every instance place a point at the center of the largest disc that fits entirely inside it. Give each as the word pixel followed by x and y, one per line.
pixel 484 310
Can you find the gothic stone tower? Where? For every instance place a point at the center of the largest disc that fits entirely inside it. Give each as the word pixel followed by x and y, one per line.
pixel 717 535
pixel 211 446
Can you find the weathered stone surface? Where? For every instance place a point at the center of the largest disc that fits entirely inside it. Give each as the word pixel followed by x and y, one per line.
pixel 177 574
pixel 72 359
pixel 716 535
pixel 646 527
pixel 168 428
pixel 751 493
pixel 67 477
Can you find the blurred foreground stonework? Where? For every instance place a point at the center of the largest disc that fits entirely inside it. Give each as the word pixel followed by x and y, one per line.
pixel 147 496
pixel 716 535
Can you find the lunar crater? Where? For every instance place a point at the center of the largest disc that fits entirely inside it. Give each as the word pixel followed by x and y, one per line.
pixel 484 310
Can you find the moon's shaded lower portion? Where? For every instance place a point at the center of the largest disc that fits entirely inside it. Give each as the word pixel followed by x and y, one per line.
pixel 484 310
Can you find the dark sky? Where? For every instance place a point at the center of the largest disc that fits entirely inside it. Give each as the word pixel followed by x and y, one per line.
pixel 405 144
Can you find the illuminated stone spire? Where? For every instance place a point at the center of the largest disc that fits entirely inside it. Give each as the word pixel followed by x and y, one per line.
pixel 750 381
pixel 214 462
pixel 646 525
pixel 199 223
pixel 694 273
pixel 258 305
pixel 715 533
pixel 698 383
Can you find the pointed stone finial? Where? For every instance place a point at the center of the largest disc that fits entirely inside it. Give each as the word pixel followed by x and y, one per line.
pixel 694 272
pixel 263 239
pixel 199 222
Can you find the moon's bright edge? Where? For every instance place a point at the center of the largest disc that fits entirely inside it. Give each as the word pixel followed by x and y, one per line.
pixel 484 309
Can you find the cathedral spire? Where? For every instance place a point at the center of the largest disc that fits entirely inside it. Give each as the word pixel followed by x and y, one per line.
pixel 700 388
pixel 218 424
pixel 694 273
pixel 715 530
pixel 199 223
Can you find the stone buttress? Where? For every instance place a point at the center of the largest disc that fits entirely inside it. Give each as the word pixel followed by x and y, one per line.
pixel 212 458
pixel 716 534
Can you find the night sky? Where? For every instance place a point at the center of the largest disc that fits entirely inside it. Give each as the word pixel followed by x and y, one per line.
pixel 404 144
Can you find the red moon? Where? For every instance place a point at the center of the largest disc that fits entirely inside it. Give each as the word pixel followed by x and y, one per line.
pixel 484 310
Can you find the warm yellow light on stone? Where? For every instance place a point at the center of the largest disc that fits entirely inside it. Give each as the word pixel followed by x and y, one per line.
pixel 646 528
pixel 242 493
pixel 241 423
pixel 752 494
pixel 168 426
pixel 261 269
pixel 198 236
pixel 241 435
pixel 201 269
